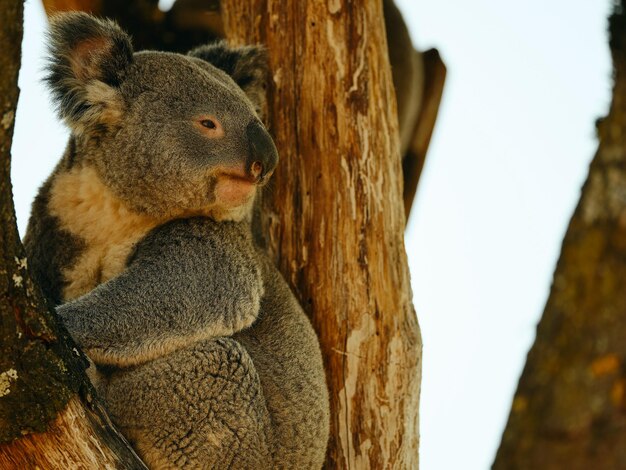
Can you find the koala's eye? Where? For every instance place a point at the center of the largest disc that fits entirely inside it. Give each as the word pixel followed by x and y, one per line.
pixel 209 126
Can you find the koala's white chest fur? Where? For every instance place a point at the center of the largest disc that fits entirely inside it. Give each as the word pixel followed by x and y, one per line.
pixel 89 210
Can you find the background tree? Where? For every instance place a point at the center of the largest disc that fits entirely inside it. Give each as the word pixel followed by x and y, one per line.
pixel 570 407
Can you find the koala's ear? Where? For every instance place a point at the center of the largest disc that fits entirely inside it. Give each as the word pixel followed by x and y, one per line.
pixel 87 61
pixel 248 66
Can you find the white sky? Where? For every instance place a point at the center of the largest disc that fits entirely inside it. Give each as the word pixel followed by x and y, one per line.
pixel 526 81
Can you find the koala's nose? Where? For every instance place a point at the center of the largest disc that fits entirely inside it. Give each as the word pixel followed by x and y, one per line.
pixel 262 154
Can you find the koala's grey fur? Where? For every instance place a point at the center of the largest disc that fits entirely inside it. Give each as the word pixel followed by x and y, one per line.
pixel 199 388
pixel 142 238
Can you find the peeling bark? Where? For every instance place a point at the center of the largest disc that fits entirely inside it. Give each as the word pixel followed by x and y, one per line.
pixel 570 407
pixel 334 217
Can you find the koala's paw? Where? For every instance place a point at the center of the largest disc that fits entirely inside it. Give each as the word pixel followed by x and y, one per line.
pixel 241 322
pixel 227 326
pixel 244 313
pixel 80 325
pixel 72 324
pixel 96 377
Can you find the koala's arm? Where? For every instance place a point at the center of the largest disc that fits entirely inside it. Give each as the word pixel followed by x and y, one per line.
pixel 188 281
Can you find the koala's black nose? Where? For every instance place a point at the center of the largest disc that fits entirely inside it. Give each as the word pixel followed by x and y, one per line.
pixel 262 154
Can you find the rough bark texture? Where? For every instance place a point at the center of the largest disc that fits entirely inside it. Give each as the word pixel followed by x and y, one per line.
pixel 80 437
pixel 334 219
pixel 47 418
pixel 570 407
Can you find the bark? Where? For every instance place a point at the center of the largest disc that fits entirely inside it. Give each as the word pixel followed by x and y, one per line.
pixel 334 217
pixel 47 415
pixel 570 407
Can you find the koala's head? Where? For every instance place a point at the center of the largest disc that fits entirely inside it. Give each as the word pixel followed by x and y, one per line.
pixel 169 134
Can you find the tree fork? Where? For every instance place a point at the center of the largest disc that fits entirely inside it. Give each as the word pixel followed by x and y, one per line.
pixel 334 215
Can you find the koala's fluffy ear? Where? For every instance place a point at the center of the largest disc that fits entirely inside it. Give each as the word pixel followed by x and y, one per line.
pixel 248 66
pixel 87 61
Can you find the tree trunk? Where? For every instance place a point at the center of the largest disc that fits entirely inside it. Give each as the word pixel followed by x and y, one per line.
pixel 570 407
pixel 47 416
pixel 334 217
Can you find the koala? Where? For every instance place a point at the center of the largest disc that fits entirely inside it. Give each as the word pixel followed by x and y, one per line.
pixel 141 238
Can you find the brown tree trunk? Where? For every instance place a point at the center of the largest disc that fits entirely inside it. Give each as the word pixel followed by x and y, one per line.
pixel 47 416
pixel 569 411
pixel 334 217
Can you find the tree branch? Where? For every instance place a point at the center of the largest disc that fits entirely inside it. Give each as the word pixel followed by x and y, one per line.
pixel 413 161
